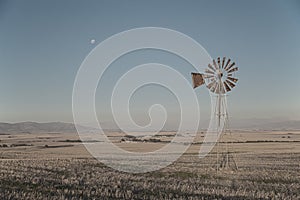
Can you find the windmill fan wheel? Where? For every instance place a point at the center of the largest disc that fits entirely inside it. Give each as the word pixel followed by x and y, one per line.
pixel 219 76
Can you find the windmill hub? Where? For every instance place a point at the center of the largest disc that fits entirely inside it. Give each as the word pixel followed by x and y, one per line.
pixel 219 74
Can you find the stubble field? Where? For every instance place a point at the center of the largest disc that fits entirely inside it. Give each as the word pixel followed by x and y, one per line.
pixel 57 166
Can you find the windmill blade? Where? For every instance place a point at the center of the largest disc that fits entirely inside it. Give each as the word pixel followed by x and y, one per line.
pixel 228 68
pixel 209 86
pixel 228 61
pixel 226 86
pixel 209 66
pixel 208 76
pixel 224 58
pixel 219 62
pixel 208 71
pixel 215 64
pixel 233 70
pixel 233 79
pixel 212 86
pixel 230 83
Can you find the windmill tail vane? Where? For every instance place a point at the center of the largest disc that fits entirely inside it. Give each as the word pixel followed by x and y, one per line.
pixel 198 79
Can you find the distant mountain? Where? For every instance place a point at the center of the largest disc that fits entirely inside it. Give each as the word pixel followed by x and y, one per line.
pixel 34 127
pixel 60 127
pixel 259 124
pixel 265 124
pixel 279 125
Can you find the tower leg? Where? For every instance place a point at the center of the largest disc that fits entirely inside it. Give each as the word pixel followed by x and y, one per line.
pixel 226 161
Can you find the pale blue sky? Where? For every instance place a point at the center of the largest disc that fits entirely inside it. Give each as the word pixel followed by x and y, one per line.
pixel 42 44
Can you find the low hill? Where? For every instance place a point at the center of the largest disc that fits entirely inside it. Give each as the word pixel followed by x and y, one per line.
pixel 34 127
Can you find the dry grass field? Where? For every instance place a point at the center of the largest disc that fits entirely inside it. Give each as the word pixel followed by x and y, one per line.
pixel 57 166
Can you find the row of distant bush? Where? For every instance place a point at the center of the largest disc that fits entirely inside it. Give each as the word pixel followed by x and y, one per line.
pixel 14 145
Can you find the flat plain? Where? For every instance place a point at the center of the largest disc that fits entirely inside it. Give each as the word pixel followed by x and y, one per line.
pixel 57 166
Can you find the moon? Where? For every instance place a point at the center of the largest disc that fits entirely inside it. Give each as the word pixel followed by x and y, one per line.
pixel 92 41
